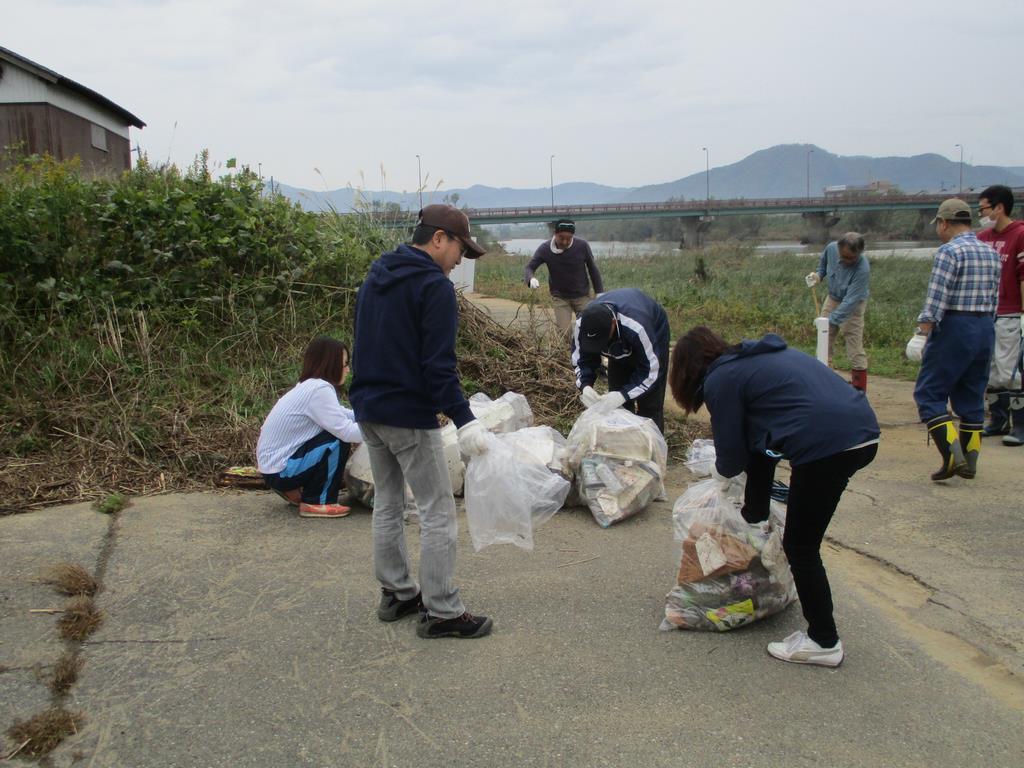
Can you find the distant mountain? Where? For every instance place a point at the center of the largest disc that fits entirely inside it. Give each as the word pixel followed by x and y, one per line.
pixel 782 172
pixel 779 171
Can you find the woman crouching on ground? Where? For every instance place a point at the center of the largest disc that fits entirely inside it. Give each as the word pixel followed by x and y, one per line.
pixel 305 440
pixel 768 402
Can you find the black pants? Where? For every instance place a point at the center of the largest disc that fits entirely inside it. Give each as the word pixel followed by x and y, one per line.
pixel 316 468
pixel 814 492
pixel 651 404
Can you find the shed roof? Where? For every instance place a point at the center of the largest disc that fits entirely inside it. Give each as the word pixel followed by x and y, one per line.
pixel 55 77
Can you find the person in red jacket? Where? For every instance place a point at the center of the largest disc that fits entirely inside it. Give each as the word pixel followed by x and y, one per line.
pixel 1005 395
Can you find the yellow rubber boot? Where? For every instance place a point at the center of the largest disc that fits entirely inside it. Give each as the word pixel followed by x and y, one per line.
pixel 970 444
pixel 947 440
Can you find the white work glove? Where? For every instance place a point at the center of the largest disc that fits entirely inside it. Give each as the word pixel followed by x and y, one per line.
pixel 608 403
pixel 812 279
pixel 473 439
pixel 534 282
pixel 589 396
pixel 724 483
pixel 915 347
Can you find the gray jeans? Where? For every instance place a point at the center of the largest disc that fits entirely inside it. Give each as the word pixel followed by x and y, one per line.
pixel 414 456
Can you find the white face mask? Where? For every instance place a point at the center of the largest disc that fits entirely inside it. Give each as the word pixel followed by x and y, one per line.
pixel 984 222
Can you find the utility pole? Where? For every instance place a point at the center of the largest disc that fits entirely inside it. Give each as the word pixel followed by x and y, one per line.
pixel 419 174
pixel 551 163
pixel 707 178
pixel 809 153
pixel 961 191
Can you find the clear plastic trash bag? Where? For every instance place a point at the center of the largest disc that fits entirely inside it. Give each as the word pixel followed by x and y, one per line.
pixel 508 496
pixel 731 573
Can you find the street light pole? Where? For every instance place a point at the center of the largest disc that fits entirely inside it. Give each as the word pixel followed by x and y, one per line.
pixel 419 175
pixel 707 178
pixel 961 168
pixel 809 153
pixel 551 163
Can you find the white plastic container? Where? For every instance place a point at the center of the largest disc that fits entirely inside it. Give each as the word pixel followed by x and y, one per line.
pixel 821 351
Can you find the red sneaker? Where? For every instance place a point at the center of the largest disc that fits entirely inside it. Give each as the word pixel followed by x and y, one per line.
pixel 323 510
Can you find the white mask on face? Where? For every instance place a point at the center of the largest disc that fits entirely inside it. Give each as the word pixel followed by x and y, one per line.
pixel 985 222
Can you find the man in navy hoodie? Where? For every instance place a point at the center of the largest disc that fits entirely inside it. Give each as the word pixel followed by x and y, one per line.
pixel 404 374
pixel 631 329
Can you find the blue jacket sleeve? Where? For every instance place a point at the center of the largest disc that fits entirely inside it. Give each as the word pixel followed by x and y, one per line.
pixel 823 264
pixel 856 292
pixel 725 405
pixel 594 272
pixel 533 265
pixel 586 365
pixel 437 355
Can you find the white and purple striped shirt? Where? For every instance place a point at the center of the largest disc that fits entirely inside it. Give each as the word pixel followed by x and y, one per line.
pixel 303 412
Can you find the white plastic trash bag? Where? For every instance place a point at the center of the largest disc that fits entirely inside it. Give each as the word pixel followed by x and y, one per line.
pixel 620 460
pixel 544 445
pixel 614 489
pixel 700 458
pixel 731 573
pixel 508 413
pixel 507 496
pixel 617 433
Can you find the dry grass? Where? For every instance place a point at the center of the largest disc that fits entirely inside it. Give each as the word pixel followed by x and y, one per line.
pixel 41 733
pixel 81 618
pixel 71 579
pixel 65 672
pixel 497 359
pixel 190 442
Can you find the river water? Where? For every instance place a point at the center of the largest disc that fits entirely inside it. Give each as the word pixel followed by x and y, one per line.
pixel 612 248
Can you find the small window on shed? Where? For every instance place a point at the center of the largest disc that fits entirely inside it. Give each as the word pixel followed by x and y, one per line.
pixel 99 137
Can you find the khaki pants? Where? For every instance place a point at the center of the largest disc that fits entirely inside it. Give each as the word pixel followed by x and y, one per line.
pixel 564 309
pixel 852 332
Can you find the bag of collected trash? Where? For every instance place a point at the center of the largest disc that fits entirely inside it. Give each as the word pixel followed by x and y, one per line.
pixel 508 413
pixel 357 476
pixel 544 445
pixel 620 460
pixel 614 489
pixel 616 433
pixel 731 573
pixel 700 458
pixel 509 495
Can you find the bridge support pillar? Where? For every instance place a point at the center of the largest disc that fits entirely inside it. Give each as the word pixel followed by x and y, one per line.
pixel 819 226
pixel 693 231
pixel 923 226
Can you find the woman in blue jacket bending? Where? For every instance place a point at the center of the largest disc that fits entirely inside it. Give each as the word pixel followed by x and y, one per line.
pixel 768 402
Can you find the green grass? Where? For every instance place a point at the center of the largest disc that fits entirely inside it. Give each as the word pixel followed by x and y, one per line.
pixel 747 295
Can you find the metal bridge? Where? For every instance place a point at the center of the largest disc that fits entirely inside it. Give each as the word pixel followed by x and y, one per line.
pixel 830 206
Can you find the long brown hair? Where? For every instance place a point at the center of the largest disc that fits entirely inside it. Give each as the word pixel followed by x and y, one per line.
pixel 325 358
pixel 691 357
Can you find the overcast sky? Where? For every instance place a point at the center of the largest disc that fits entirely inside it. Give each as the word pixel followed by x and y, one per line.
pixel 622 93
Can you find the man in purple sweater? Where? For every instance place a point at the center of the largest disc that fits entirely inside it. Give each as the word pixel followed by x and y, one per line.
pixel 570 263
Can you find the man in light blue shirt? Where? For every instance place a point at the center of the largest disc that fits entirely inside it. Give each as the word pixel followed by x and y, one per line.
pixel 846 267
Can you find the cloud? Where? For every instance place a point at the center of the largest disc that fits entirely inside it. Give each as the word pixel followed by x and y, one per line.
pixel 622 94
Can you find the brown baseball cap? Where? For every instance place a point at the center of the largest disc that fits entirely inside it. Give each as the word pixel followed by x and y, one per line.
pixel 954 209
pixel 454 222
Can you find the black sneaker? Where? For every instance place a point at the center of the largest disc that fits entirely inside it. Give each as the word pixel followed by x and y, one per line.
pixel 465 626
pixel 393 609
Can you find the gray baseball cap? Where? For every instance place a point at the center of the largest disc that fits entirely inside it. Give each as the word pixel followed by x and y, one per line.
pixel 954 209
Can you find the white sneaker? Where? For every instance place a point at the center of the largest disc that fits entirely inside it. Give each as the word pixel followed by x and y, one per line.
pixel 798 648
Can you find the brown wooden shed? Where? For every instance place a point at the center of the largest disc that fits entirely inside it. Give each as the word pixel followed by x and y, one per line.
pixel 43 112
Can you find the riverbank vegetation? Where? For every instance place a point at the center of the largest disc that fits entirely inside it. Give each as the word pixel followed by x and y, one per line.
pixel 148 322
pixel 743 294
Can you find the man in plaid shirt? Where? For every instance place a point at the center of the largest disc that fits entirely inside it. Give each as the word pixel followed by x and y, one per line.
pixel 956 330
